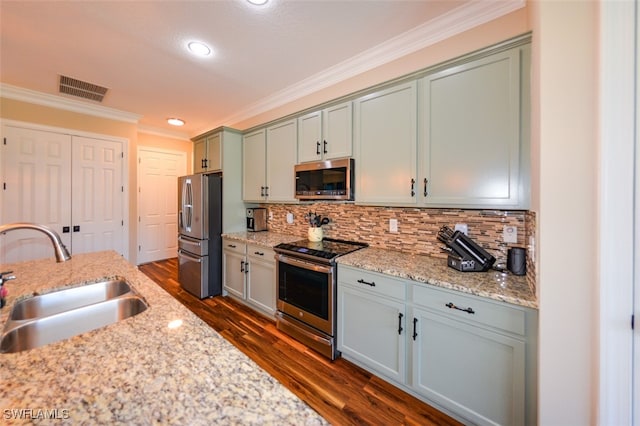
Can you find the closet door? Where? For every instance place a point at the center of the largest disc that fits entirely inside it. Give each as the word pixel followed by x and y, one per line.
pixel 73 184
pixel 97 195
pixel 36 169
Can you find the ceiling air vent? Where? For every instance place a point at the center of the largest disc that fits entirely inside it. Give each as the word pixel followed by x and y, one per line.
pixel 82 89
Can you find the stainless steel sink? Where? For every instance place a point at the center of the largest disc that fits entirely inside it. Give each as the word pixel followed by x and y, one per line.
pixel 71 298
pixel 59 315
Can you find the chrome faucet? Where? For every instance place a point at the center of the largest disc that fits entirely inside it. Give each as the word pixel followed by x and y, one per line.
pixel 62 254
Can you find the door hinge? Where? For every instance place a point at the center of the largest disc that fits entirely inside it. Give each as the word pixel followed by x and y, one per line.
pixel 122 154
pixel 5 141
pixel 4 186
pixel 139 160
pixel 633 318
pixel 139 218
pixel 122 223
pixel 122 188
pixel 139 248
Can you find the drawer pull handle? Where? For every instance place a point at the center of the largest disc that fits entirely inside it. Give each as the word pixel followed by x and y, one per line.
pixel 372 284
pixel 415 333
pixel 400 322
pixel 467 310
pixel 242 266
pixel 231 245
pixel 259 253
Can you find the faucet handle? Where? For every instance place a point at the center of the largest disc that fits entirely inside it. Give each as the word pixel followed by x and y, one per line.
pixel 4 277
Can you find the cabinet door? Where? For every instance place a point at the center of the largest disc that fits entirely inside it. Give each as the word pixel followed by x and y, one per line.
pixel 261 279
pixel 199 156
pixel 234 273
pixel 371 330
pixel 472 371
pixel 253 166
pixel 310 137
pixel 337 131
pixel 214 160
pixel 282 154
pixel 471 132
pixel 386 146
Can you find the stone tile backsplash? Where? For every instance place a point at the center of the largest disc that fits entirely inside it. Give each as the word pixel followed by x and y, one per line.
pixel 417 227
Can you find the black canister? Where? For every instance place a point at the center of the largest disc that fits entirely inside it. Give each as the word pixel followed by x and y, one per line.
pixel 517 260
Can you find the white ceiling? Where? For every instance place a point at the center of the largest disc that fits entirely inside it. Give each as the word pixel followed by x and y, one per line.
pixel 263 56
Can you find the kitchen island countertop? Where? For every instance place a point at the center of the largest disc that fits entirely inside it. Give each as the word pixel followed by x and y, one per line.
pixel 139 370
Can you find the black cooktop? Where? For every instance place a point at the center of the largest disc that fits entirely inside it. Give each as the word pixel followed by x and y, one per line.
pixel 326 249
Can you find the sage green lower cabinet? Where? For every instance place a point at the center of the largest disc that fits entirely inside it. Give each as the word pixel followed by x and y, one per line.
pixel 249 275
pixel 233 264
pixel 471 357
pixel 261 278
pixel 368 330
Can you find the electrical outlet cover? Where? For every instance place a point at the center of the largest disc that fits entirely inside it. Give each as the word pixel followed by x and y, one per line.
pixel 462 227
pixel 510 234
pixel 289 218
pixel 393 225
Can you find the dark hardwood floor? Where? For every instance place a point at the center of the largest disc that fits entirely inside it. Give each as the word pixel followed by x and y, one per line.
pixel 341 392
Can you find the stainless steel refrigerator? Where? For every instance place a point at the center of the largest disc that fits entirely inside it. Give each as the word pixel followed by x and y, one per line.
pixel 200 229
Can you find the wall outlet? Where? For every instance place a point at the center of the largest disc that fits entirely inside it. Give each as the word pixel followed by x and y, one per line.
pixel 289 218
pixel 270 215
pixel 393 225
pixel 510 234
pixel 462 227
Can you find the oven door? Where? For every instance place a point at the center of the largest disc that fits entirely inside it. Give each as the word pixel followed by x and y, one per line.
pixel 306 292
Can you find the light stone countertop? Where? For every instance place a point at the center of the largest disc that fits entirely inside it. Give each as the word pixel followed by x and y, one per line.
pixel 137 371
pixel 504 287
pixel 263 238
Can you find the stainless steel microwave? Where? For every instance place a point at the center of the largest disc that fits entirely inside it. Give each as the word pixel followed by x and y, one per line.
pixel 325 180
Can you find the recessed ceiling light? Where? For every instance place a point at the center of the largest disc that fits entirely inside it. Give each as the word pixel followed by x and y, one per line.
pixel 199 48
pixel 175 121
pixel 258 2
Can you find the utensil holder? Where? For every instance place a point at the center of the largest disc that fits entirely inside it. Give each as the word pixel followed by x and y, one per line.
pixel 315 234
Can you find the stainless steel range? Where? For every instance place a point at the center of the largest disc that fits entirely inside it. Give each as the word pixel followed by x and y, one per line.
pixel 306 299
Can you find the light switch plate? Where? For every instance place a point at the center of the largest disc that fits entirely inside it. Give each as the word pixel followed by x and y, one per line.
pixel 393 225
pixel 510 234
pixel 289 218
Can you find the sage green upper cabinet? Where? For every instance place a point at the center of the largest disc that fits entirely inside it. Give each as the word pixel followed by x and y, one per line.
pixel 207 153
pixel 254 166
pixel 385 145
pixel 471 126
pixel 326 134
pixel 282 155
pixel 268 160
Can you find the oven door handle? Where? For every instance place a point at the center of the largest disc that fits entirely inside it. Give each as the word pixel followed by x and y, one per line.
pixel 303 264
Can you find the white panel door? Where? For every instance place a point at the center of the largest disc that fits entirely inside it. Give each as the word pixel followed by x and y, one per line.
pixel 158 173
pixel 37 188
pixel 97 195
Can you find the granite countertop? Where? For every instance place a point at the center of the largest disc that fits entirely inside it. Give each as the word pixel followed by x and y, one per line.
pixel 504 287
pixel 265 238
pixel 495 285
pixel 137 371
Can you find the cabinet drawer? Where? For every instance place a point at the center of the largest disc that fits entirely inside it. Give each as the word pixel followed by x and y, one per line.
pixel 471 309
pixel 234 245
pixel 260 252
pixel 373 282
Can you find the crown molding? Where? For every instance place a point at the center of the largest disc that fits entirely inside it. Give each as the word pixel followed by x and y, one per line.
pixel 38 98
pixel 459 20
